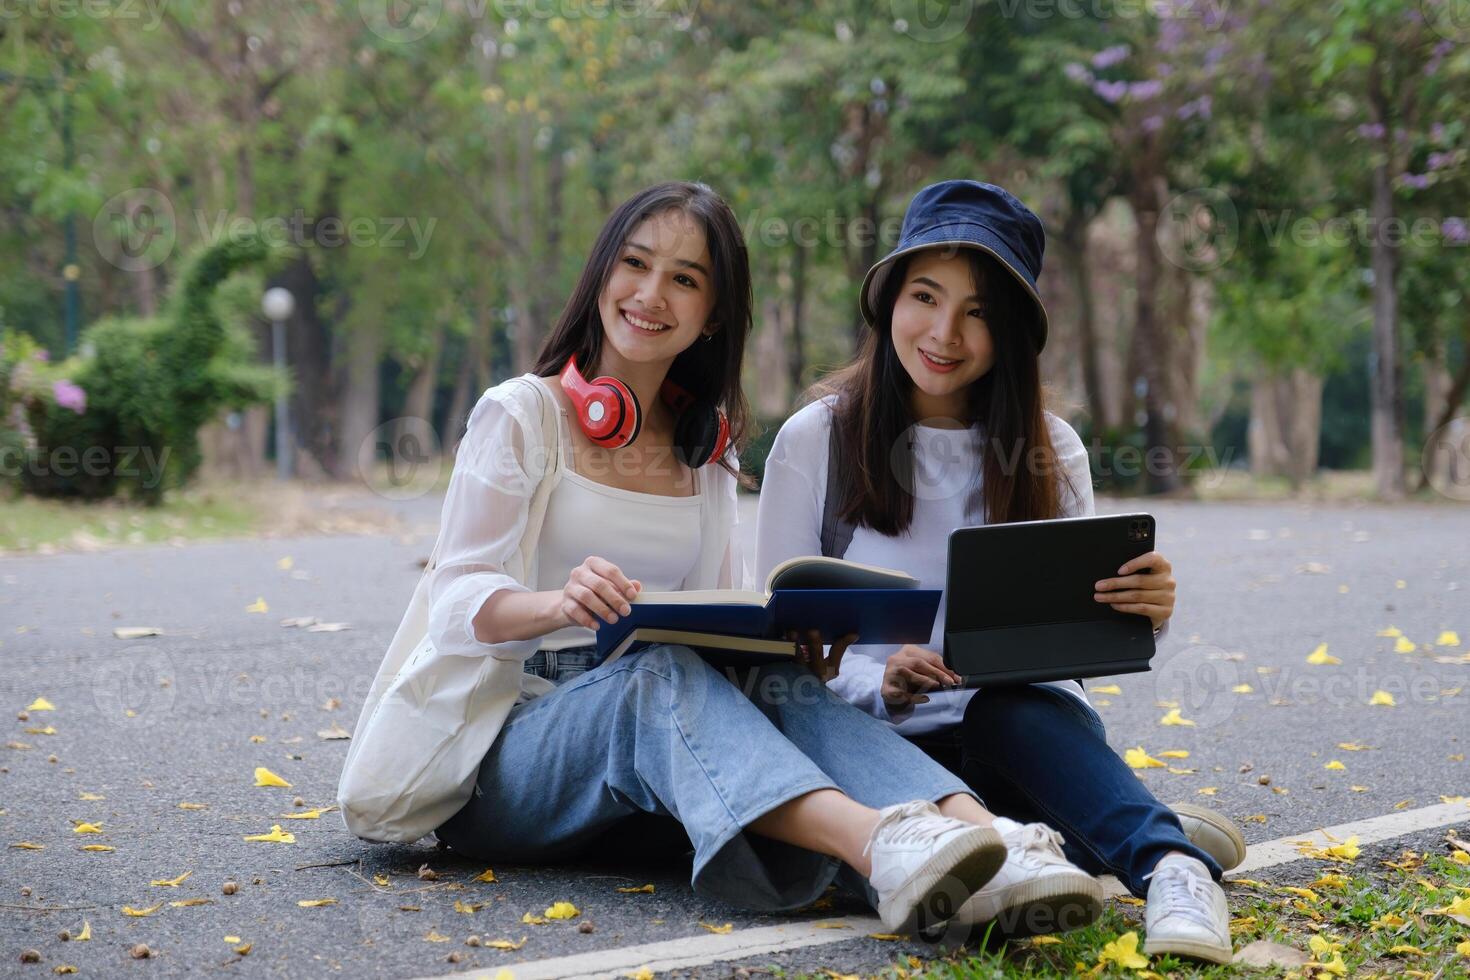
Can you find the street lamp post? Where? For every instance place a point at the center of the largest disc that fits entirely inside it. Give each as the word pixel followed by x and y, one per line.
pixel 277 304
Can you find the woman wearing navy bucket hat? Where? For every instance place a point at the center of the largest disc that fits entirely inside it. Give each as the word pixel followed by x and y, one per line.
pixel 919 435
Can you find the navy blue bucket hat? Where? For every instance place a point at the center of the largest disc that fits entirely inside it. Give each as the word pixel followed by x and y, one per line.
pixel 971 214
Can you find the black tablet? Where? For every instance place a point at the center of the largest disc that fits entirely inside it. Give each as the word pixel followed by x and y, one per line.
pixel 1019 606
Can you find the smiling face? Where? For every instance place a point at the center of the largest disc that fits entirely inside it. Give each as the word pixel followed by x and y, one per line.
pixel 940 333
pixel 658 298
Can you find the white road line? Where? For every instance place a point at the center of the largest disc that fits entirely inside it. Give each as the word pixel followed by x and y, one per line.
pixel 691 951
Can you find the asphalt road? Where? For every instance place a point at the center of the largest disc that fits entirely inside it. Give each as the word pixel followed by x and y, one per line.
pixel 226 690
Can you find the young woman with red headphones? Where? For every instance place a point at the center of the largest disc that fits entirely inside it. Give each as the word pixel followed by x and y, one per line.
pixel 774 789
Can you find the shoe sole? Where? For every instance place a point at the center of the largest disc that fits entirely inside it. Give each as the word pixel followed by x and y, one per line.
pixel 1207 952
pixel 1220 824
pixel 959 869
pixel 1042 906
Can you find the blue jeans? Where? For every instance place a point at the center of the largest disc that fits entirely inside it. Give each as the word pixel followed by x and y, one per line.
pixel 1038 754
pixel 663 732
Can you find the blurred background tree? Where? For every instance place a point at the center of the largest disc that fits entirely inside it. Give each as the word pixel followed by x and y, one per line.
pixel 1221 185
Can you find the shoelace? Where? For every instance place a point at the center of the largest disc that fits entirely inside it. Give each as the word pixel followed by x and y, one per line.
pixel 1182 892
pixel 1039 842
pixel 897 826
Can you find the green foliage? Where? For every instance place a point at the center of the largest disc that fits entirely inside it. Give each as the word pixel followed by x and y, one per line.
pixel 152 384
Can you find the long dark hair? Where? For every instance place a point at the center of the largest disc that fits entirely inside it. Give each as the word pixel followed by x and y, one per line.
pixel 708 369
pixel 874 411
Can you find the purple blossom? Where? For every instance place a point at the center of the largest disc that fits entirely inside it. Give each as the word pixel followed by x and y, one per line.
pixel 1217 52
pixel 1171 35
pixel 1436 132
pixel 1153 124
pixel 1416 181
pixel 1371 131
pixel 42 355
pixel 70 396
pixel 1110 91
pixel 1145 90
pixel 1438 161
pixel 1077 73
pixel 1455 231
pixel 1108 57
pixel 1202 107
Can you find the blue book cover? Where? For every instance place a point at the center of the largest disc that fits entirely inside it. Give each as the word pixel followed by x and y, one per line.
pixel 902 615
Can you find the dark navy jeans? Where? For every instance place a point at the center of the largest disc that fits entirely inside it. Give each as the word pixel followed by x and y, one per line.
pixel 1034 753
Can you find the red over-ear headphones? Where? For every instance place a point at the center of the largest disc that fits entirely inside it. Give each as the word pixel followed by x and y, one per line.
pixel 609 413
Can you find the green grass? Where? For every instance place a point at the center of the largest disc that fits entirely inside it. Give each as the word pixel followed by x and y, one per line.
pixel 28 524
pixel 1343 913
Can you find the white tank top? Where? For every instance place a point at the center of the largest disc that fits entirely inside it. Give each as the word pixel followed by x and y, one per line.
pixel 652 537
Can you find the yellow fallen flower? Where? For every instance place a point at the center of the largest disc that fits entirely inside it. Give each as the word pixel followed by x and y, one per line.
pixel 82 827
pixel 313 814
pixel 47 730
pixel 1137 758
pixel 171 882
pixel 467 908
pixel 1106 689
pixel 1404 645
pixel 232 939
pixel 264 777
pixel 638 890
pixel 1406 950
pixel 276 836
pixel 185 903
pixel 1174 718
pixel 1335 765
pixel 129 910
pixel 435 937
pixel 1207 790
pixel 41 704
pixel 486 875
pixel 258 606
pixel 1320 657
pixel 316 903
pixel 722 930
pixel 1383 698
pixel 1449 638
pixel 85 934
pixel 505 944
pixel 562 910
pixel 1174 754
pixel 1353 746
pixel 1306 893
pixel 1390 921
pixel 532 919
pixel 90 797
pixel 1242 689
pixel 1391 631
pixel 1124 952
pixel 98 847
pixel 193 806
pixel 26 845
pixel 885 937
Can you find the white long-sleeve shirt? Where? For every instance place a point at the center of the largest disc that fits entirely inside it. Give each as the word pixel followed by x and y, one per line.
pixel 946 464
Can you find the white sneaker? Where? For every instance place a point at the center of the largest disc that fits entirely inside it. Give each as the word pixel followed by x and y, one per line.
pixel 1187 913
pixel 1037 890
pixel 924 863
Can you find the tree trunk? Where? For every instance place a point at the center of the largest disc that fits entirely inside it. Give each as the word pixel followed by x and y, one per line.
pixel 1154 340
pixel 1285 428
pixel 418 406
pixel 795 349
pixel 466 382
pixel 359 402
pixel 1072 242
pixel 1385 372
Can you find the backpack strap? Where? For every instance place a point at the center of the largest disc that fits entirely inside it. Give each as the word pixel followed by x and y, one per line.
pixel 836 532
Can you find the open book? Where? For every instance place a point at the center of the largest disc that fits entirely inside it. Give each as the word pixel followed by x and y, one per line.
pixel 834 596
